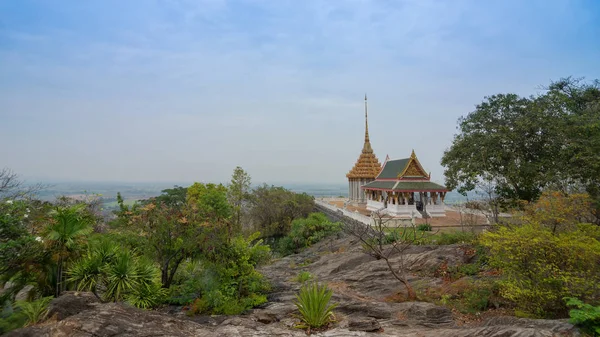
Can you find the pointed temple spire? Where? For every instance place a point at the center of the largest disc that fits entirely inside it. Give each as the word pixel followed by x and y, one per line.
pixel 366 123
pixel 367 166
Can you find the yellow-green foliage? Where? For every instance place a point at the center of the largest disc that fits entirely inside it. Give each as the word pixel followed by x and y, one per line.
pixel 540 268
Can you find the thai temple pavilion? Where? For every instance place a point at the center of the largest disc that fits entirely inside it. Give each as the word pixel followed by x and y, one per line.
pixel 402 187
pixel 365 170
pixel 405 189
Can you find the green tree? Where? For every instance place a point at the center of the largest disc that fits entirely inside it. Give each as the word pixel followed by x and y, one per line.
pixel 274 208
pixel 511 140
pixel 579 102
pixel 169 234
pixel 238 193
pixel 65 235
pixel 209 200
pixel 175 196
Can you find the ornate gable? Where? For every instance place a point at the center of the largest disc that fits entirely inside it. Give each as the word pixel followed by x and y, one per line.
pixel 413 169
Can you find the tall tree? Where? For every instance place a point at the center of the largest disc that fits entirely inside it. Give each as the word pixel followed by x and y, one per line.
pixel 579 102
pixel 170 234
pixel 512 140
pixel 238 193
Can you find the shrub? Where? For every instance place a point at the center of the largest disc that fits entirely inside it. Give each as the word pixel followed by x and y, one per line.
pixel 120 273
pixel 229 281
pixel 303 277
pixel 306 232
pixel 35 311
pixel 455 237
pixel 187 283
pixel 476 299
pixel 424 227
pixel 313 305
pixel 585 316
pixel 469 269
pixel 12 320
pixel 146 296
pixel 540 269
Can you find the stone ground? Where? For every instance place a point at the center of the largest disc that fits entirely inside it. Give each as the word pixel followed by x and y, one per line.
pixel 362 289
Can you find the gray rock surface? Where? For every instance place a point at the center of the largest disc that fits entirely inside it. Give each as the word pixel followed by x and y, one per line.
pixel 361 285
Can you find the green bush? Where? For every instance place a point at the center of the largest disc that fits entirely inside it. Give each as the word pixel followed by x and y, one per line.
pixel 540 268
pixel 393 236
pixel 424 227
pixel 229 282
pixel 476 299
pixel 313 304
pixel 469 269
pixel 120 273
pixel 35 311
pixel 187 284
pixel 454 238
pixel 303 277
pixel 11 319
pixel 584 315
pixel 306 232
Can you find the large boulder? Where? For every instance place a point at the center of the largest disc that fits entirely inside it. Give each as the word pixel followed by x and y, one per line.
pixel 71 303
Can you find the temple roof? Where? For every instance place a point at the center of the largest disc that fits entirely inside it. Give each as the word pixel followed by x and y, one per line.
pixel 367 166
pixel 405 186
pixel 405 168
pixel 404 175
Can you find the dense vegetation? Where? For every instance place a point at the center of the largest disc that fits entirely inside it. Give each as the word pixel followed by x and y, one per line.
pixel 196 246
pixel 539 158
pixel 513 148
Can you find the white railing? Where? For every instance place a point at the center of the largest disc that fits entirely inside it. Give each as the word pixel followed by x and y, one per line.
pixel 353 215
pixel 373 205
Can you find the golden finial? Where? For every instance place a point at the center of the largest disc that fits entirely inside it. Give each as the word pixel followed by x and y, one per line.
pixel 413 155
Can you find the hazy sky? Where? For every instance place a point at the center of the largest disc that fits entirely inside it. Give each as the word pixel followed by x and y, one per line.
pixel 185 90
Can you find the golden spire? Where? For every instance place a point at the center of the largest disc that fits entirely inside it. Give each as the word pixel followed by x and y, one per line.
pixel 367 166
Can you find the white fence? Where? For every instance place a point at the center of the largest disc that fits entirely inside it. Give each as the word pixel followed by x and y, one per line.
pixel 353 215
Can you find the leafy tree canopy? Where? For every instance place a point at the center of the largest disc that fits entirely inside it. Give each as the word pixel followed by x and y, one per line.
pixel 525 144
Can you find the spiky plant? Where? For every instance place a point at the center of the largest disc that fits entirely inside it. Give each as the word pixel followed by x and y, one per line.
pixel 35 311
pixel 121 276
pixel 313 304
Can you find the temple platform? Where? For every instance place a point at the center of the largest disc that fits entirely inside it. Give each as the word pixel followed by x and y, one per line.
pixel 453 219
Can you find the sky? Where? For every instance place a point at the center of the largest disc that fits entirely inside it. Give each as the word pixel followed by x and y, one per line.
pixel 186 90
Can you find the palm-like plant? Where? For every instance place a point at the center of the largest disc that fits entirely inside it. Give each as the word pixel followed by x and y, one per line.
pixel 88 271
pixel 35 311
pixel 64 236
pixel 121 276
pixel 313 304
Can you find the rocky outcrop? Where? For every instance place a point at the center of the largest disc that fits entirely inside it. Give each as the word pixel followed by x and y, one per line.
pixel 362 289
pixel 71 303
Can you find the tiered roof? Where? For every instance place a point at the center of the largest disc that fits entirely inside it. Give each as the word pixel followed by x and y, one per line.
pixel 367 166
pixel 404 175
